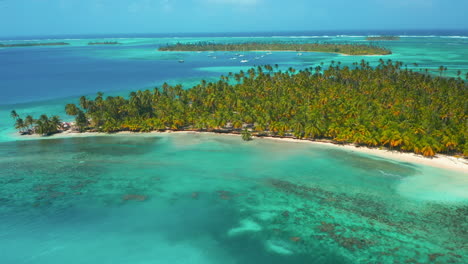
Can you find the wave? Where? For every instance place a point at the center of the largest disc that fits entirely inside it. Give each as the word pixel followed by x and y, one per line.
pixel 417 36
pixel 349 36
pixel 391 175
pixel 462 37
pixel 432 36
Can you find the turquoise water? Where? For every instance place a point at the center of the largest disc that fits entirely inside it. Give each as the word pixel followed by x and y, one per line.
pixel 174 198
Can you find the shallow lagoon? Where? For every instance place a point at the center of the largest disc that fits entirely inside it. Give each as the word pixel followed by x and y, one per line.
pixel 177 198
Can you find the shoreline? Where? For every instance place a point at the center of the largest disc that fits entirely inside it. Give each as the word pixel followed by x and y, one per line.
pixel 439 161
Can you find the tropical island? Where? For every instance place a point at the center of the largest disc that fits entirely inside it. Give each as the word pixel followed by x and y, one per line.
pixel 33 44
pixel 386 106
pixel 385 38
pixel 347 49
pixel 104 43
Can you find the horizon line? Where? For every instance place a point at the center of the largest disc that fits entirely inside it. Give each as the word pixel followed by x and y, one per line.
pixel 235 32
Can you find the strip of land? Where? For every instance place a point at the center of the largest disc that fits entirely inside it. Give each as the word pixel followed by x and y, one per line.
pixel 384 38
pixel 104 43
pixel 347 49
pixel 33 44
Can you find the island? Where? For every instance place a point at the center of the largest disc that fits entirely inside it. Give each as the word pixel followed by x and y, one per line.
pixel 384 38
pixel 33 44
pixel 347 49
pixel 104 43
pixel 386 106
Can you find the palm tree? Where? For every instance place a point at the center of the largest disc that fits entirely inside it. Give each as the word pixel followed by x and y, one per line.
pixel 55 123
pixel 14 115
pixel 246 135
pixel 81 121
pixel 71 109
pixel 19 125
pixel 29 121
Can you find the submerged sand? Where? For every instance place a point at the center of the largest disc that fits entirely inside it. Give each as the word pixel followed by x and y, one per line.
pixel 439 161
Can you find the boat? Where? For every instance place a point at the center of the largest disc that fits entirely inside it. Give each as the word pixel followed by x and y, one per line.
pixel 181 61
pixel 299 54
pixel 244 61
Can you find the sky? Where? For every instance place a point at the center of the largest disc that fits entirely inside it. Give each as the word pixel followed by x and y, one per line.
pixel 59 17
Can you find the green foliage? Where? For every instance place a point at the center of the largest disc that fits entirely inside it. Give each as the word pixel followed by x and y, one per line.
pixel 71 109
pixel 246 135
pixel 29 121
pixel 47 126
pixel 19 124
pixel 81 121
pixel 349 49
pixel 383 106
pixel 14 115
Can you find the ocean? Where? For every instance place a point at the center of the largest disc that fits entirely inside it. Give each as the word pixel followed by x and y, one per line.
pixel 191 198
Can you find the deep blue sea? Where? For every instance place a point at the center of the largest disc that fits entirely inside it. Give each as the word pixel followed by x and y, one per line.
pixel 191 198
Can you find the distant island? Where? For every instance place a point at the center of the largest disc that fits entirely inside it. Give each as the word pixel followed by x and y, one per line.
pixel 104 43
pixel 384 106
pixel 33 44
pixel 347 49
pixel 386 38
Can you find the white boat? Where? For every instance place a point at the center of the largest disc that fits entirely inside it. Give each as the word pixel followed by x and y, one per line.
pixel 299 54
pixel 181 61
pixel 242 55
pixel 244 61
pixel 269 53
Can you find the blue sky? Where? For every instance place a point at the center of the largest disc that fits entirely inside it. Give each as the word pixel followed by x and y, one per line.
pixel 55 17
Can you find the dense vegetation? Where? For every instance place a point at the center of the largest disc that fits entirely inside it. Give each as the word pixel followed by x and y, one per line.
pixel 33 44
pixel 349 49
pixel 383 106
pixel 104 43
pixel 383 38
pixel 44 125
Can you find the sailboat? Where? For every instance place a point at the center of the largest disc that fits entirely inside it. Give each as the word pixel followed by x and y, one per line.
pixel 299 53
